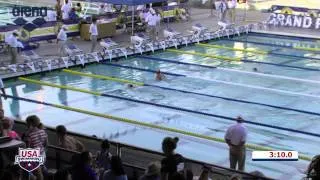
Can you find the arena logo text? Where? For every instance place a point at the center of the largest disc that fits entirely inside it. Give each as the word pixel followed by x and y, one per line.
pixel 27 11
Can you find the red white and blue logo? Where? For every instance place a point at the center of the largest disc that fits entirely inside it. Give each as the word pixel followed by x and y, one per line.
pixel 29 159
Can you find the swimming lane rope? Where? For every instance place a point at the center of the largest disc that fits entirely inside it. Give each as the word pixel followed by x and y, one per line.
pixel 239 59
pixel 233 49
pixel 229 69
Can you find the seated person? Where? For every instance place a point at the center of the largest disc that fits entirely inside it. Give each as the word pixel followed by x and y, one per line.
pixel 6 129
pixel 73 15
pixel 160 76
pixel 78 8
pixel 66 141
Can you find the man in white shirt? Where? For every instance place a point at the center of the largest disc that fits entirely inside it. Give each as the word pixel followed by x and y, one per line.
pixel 235 137
pixel 232 4
pixel 152 21
pixel 3 92
pixel 93 33
pixel 66 9
pixel 62 40
pixel 221 7
pixel 51 15
pixel 13 46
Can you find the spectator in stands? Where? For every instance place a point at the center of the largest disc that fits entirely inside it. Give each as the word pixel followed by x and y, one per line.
pixel 152 21
pixel 158 26
pixel 177 176
pixel 103 157
pixel 65 9
pixel 62 174
pixel 62 40
pixel 152 172
pixel 11 173
pixel 101 10
pixel 13 44
pixel 58 9
pixel 232 4
pixel 4 118
pixel 93 33
pixel 205 173
pixel 36 137
pixel 68 142
pixel 222 9
pixel 116 172
pixel 73 15
pixel 7 129
pixel 188 175
pixel 313 171
pixel 236 137
pixel 173 162
pixel 51 15
pixel 82 168
pixel 258 173
pixel 235 177
pixel 78 9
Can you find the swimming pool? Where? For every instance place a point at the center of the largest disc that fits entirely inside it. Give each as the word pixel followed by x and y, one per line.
pixel 201 95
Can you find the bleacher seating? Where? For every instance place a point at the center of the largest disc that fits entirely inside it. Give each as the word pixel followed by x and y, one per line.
pixel 135 159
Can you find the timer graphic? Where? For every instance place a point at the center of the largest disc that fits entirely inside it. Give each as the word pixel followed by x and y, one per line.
pixel 275 156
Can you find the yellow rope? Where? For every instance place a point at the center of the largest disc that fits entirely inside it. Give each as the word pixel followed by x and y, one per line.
pixel 307 49
pixel 233 49
pixel 59 86
pixel 103 77
pixel 139 123
pixel 206 55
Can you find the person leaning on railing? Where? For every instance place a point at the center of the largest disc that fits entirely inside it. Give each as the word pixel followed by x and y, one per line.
pixel 66 141
pixel 57 7
pixel 117 171
pixel 173 163
pixel 103 157
pixel 36 137
pixel 313 171
pixel 152 172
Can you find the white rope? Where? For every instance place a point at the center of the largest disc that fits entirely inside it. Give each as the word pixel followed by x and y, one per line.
pixel 269 75
pixel 259 87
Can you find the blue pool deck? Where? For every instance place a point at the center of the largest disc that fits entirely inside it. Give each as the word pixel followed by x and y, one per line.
pixel 200 95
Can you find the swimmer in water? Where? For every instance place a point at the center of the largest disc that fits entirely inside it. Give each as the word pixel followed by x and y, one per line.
pixel 255 69
pixel 159 76
pixel 130 86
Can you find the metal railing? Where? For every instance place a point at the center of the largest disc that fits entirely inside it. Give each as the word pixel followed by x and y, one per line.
pixel 132 156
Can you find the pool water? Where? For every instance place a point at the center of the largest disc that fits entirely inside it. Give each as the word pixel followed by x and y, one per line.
pixel 286 78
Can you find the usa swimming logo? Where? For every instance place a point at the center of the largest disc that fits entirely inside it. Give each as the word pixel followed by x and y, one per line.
pixel 29 159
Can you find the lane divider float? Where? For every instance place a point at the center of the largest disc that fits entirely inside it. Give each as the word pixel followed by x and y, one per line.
pixel 307 49
pixel 242 60
pixel 233 49
pixel 103 77
pixel 231 70
pixel 206 55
